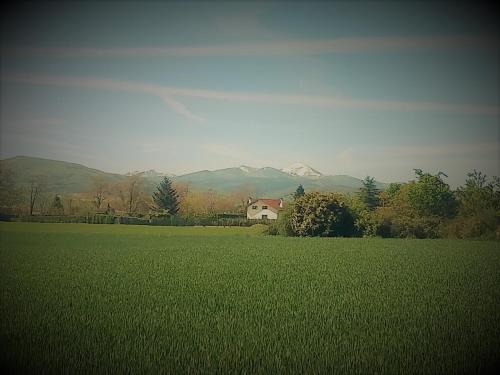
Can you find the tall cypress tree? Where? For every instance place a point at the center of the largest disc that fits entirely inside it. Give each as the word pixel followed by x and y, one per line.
pixel 369 192
pixel 166 197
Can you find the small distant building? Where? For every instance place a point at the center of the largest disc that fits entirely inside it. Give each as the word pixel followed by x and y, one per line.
pixel 264 208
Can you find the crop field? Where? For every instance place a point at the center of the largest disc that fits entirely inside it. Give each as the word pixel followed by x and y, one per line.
pixel 85 299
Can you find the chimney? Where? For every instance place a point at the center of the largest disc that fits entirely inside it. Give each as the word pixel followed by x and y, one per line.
pixel 281 203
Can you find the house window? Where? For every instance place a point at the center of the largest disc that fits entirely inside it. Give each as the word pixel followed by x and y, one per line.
pixel 264 207
pixel 254 207
pixel 264 216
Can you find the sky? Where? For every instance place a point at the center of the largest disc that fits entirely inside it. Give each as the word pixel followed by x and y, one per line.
pixel 357 88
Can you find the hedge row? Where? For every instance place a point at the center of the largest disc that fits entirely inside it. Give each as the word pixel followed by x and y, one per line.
pixel 179 221
pixel 90 219
pixel 127 220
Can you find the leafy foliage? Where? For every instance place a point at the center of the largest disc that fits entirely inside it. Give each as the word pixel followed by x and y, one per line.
pixel 321 214
pixel 400 215
pixel 390 193
pixel 430 195
pixel 368 193
pixel 477 195
pixel 479 208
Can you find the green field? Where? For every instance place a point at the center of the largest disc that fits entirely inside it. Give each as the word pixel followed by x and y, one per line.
pixel 80 298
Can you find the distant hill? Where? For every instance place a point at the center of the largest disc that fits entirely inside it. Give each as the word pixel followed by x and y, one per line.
pixel 64 177
pixel 269 182
pixel 59 176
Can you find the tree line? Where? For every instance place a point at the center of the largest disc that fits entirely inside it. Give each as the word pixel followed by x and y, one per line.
pixel 425 207
pixel 129 197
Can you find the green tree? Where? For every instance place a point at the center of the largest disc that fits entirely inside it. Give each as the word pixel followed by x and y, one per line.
pixel 364 219
pixel 417 209
pixel 368 193
pixel 390 193
pixel 479 208
pixel 299 192
pixel 477 194
pixel 430 195
pixel 398 217
pixel 321 214
pixel 166 198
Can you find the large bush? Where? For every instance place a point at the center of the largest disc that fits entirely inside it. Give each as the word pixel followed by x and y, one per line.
pixel 365 223
pixel 401 223
pixel 416 209
pixel 479 210
pixel 321 214
pixel 484 225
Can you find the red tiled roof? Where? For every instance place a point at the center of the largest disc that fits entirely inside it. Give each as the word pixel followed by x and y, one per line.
pixel 275 203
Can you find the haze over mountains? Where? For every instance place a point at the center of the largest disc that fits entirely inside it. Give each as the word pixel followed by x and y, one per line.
pixel 65 177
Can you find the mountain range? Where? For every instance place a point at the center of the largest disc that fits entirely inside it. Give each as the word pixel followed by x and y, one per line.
pixel 65 177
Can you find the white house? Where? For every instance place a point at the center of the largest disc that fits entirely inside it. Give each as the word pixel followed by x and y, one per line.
pixel 264 208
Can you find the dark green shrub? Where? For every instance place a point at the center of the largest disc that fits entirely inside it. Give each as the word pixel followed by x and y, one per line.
pixel 321 214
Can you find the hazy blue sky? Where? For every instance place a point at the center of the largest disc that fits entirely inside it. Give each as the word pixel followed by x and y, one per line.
pixel 349 88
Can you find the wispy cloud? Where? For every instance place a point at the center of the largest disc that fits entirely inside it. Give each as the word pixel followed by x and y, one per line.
pixel 181 109
pixel 275 48
pixel 167 93
pixel 106 84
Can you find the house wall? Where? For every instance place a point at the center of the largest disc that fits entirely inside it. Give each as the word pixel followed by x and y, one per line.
pixel 257 214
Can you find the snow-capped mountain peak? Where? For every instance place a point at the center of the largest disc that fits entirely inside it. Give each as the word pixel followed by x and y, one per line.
pixel 302 170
